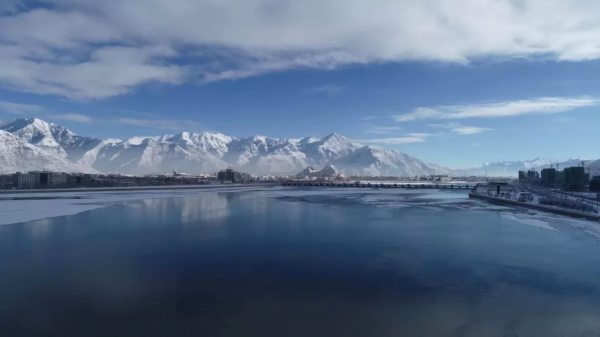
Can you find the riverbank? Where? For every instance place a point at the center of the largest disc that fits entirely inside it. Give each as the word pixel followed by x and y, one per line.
pixel 500 201
pixel 140 188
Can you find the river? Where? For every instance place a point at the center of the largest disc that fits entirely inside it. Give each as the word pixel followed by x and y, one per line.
pixel 294 262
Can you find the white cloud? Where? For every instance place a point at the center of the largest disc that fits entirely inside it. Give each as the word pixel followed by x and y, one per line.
pixel 20 108
pixel 61 49
pixel 164 124
pixel 451 125
pixel 458 128
pixel 73 117
pixel 420 134
pixel 382 130
pixel 468 130
pixel 545 105
pixel 108 71
pixel 418 113
pixel 394 141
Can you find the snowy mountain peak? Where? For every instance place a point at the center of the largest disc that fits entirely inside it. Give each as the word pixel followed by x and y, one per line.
pixel 328 171
pixel 334 137
pixel 25 123
pixel 308 140
pixel 36 132
pixel 259 138
pixel 19 155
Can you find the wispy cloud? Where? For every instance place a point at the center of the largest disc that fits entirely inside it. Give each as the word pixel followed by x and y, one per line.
pixel 382 130
pixel 368 118
pixel 515 108
pixel 468 130
pixel 20 108
pixel 458 128
pixel 330 89
pixel 73 117
pixel 420 134
pixel 164 124
pixel 418 113
pixel 545 105
pixel 451 125
pixel 394 141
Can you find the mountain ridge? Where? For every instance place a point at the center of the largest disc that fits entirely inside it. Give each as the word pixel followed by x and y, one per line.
pixel 204 152
pixel 207 152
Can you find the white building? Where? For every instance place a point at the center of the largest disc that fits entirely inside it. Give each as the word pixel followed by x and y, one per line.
pixel 55 179
pixel 36 179
pixel 27 180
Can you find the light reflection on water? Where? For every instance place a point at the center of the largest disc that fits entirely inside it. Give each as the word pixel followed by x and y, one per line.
pixel 244 264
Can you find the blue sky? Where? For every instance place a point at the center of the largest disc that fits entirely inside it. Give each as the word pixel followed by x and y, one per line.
pixel 455 85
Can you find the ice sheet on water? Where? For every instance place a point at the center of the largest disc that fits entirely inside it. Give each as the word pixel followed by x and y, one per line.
pixel 527 219
pixel 15 211
pixel 591 228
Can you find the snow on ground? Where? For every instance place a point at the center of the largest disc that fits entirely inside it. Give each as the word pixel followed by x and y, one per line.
pixel 528 221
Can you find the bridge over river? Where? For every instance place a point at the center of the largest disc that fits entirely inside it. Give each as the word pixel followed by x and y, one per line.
pixel 378 185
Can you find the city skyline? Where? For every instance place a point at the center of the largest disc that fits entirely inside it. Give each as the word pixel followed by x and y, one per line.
pixel 511 85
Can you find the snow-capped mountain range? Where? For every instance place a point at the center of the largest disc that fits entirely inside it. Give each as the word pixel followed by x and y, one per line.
pixel 328 171
pixel 511 168
pixel 33 144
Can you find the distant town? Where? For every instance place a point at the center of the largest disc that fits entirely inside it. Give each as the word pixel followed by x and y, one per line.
pixel 570 192
pixel 61 180
pixel 573 179
pixel 570 179
pixel 57 180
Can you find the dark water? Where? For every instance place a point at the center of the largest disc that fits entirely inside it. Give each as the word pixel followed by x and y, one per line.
pixel 242 264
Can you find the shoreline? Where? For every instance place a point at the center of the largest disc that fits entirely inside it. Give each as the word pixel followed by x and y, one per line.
pixel 573 214
pixel 140 188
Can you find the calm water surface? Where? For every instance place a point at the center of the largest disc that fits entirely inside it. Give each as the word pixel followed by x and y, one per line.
pixel 249 264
